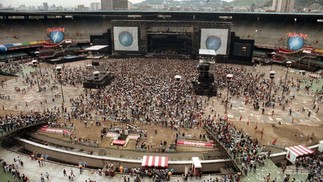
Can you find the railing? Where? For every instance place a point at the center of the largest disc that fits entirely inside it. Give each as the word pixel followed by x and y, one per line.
pixel 209 131
pixel 56 52
pixel 14 130
pixel 110 158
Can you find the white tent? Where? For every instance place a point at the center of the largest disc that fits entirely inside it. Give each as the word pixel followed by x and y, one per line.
pixel 297 151
pixel 196 162
pixel 196 165
pixel 320 149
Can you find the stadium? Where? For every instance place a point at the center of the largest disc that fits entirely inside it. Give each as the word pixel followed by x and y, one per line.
pixel 163 96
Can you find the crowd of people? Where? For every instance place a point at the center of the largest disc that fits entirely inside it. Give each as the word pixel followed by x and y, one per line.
pixel 85 141
pixel 145 90
pixel 156 175
pixel 243 148
pixel 12 67
pixel 139 93
pixel 12 122
pixel 153 95
pixel 314 165
pixel 147 95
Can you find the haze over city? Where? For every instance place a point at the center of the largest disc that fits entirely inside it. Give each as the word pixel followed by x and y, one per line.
pixel 64 3
pixel 312 6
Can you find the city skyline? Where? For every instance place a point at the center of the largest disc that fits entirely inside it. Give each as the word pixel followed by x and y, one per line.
pixel 64 3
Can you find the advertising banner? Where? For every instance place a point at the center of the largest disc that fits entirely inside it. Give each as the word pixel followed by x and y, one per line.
pixel 53 130
pixel 195 143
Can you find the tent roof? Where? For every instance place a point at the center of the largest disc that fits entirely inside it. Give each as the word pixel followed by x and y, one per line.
pixel 300 150
pixel 155 161
pixel 96 47
pixel 196 162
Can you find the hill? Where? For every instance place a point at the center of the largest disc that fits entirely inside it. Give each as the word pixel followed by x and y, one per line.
pixel 258 3
pixel 261 3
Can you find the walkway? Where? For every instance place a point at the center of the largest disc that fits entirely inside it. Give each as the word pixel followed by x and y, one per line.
pixel 55 170
pixel 274 171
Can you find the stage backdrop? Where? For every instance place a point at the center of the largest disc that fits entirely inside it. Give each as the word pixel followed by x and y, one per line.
pixel 125 38
pixel 215 39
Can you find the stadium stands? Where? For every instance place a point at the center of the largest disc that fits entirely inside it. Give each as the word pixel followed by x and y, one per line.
pixel 267 30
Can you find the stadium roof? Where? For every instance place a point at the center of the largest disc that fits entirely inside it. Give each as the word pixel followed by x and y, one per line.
pixel 136 12
pixel 191 16
pixel 153 11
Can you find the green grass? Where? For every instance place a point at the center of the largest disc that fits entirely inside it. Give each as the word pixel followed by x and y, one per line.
pixel 5 177
pixel 317 85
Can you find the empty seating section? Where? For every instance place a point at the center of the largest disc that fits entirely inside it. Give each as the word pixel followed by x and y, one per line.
pixel 14 31
pixel 275 33
pixel 264 32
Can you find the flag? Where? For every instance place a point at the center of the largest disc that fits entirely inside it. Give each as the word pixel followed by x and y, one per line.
pixel 274 142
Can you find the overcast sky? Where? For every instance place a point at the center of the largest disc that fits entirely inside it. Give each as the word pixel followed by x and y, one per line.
pixel 64 3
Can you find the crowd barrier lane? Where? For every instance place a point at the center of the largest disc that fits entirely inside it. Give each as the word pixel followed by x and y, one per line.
pixel 79 154
pixel 107 158
pixel 274 157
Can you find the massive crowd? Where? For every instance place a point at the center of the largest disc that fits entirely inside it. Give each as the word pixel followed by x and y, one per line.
pixel 145 90
pixel 153 95
pixel 145 94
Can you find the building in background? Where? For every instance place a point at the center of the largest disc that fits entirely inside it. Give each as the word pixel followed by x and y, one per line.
pixel 120 4
pixel 95 6
pixel 106 4
pixel 45 6
pixel 60 8
pixel 80 7
pixel 283 5
pixel 32 8
pixel 114 4
pixel 53 7
pixel 22 8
